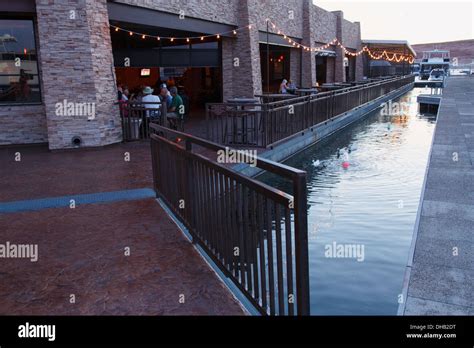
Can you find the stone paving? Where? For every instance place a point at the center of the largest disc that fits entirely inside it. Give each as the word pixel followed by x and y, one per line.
pixel 440 273
pixel 117 251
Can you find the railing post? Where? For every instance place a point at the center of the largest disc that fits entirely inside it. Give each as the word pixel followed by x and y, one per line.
pixel 122 119
pixel 206 108
pixel 301 244
pixel 164 113
pixel 190 190
pixel 265 125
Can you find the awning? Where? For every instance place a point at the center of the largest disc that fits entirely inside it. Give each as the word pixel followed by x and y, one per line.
pixel 144 16
pixel 325 53
pixel 393 46
pixel 275 39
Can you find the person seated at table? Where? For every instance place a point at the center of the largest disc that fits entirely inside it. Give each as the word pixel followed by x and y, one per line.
pixel 291 87
pixel 125 94
pixel 152 102
pixel 284 87
pixel 164 85
pixel 165 96
pixel 176 110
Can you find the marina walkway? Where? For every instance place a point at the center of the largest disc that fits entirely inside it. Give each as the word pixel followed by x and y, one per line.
pixel 440 273
pixel 116 251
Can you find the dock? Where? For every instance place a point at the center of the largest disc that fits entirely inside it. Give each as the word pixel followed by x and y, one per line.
pixel 439 279
pixel 429 84
pixel 430 99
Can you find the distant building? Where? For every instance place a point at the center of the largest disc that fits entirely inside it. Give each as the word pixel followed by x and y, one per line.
pixel 376 68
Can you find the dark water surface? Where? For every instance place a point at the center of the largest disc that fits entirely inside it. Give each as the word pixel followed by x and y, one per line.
pixel 371 204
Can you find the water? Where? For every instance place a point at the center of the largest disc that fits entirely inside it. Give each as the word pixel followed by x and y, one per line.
pixel 372 204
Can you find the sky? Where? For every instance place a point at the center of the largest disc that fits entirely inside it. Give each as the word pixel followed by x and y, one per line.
pixel 417 21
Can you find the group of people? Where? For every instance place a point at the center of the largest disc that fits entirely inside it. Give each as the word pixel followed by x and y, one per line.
pixel 153 103
pixel 287 87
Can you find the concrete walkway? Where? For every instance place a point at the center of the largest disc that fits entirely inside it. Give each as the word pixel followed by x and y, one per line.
pixel 117 252
pixel 440 273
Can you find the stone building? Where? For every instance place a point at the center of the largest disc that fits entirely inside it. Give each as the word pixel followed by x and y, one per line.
pixel 61 60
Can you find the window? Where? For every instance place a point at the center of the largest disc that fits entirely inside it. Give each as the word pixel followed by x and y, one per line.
pixel 19 78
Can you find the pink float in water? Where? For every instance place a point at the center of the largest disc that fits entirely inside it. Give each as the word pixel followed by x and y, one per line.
pixel 345 165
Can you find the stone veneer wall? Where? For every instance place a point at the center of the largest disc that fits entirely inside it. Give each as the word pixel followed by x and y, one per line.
pixel 22 124
pixel 350 34
pixel 323 24
pixel 309 38
pixel 77 67
pixel 109 121
pixel 222 11
pixel 339 71
pixel 285 14
pixel 228 68
pixel 248 76
pixel 295 65
pixel 330 78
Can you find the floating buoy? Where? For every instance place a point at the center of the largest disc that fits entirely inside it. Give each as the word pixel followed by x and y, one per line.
pixel 345 165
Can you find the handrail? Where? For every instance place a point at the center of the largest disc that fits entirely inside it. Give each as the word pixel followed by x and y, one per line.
pixel 224 206
pixel 262 163
pixel 263 125
pixel 277 195
pixel 339 91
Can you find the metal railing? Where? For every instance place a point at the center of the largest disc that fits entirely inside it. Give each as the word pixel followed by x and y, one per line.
pixel 136 119
pixel 264 125
pixel 257 235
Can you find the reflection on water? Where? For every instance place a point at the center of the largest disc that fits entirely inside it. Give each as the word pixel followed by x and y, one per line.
pixel 371 204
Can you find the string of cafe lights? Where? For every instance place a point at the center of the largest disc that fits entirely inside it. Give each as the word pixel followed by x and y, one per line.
pixel 395 57
pixel 385 55
pixel 179 39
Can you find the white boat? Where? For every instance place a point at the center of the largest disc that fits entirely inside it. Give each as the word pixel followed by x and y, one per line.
pixel 434 60
pixel 437 75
